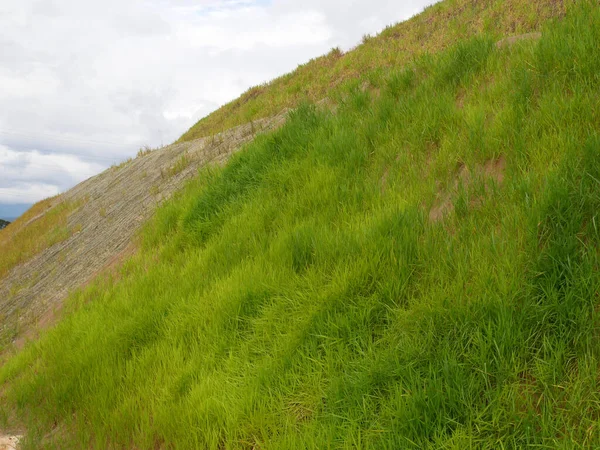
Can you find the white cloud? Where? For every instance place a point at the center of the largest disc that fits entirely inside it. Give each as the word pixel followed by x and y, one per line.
pixel 87 83
pixel 28 176
pixel 214 30
pixel 30 192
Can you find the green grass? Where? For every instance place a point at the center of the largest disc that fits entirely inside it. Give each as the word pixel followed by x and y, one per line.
pixel 300 297
pixel 437 28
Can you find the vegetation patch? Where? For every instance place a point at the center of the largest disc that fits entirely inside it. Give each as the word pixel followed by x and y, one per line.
pixel 42 226
pixel 440 26
pixel 301 297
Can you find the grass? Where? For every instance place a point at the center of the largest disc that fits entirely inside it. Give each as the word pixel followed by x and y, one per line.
pixel 42 226
pixel 176 168
pixel 439 27
pixel 301 297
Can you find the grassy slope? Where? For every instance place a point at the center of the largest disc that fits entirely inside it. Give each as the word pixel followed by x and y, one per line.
pixel 301 298
pixel 437 28
pixel 24 238
pixel 39 228
pixel 329 75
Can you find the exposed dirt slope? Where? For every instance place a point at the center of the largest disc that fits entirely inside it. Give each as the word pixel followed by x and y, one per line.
pixel 111 208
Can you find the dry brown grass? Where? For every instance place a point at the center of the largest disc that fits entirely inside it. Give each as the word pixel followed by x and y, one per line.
pixel 42 226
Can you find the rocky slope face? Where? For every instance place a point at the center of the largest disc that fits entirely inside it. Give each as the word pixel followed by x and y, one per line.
pixel 3 224
pixel 111 208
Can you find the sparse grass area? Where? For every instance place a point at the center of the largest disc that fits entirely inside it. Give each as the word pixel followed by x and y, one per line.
pixel 179 165
pixel 439 27
pixel 39 228
pixel 143 151
pixel 123 163
pixel 301 297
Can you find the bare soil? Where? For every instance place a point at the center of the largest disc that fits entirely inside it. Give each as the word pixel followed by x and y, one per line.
pixel 9 442
pixel 492 172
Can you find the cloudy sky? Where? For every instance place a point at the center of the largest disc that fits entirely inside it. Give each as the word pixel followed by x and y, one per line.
pixel 84 83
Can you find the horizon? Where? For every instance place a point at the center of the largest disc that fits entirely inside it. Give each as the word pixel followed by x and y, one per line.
pixel 8 212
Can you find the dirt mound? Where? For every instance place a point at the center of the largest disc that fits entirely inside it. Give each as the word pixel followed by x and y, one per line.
pixel 112 207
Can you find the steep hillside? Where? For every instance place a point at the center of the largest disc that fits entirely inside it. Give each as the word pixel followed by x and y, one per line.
pixel 439 27
pixel 64 242
pixel 4 224
pixel 417 268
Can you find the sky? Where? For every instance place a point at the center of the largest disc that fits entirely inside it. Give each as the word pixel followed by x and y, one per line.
pixel 86 83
